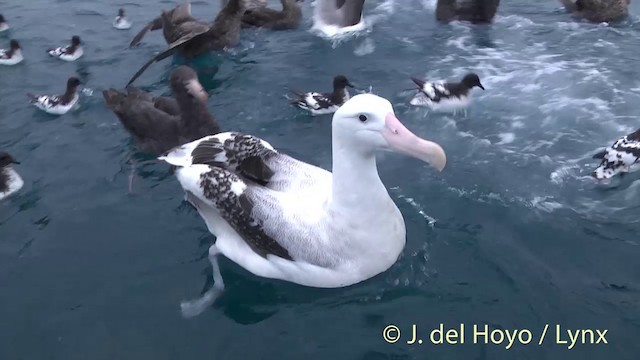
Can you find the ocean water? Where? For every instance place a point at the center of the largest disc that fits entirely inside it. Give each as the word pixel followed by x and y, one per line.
pixel 512 235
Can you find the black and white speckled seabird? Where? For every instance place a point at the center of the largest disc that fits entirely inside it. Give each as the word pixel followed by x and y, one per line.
pixel 474 11
pixel 10 180
pixel 12 55
pixel 323 103
pixel 288 18
pixel 445 96
pixel 71 52
pixel 282 218
pixel 58 104
pixel 620 158
pixel 155 123
pixel 121 22
pixel 4 26
pixel 192 37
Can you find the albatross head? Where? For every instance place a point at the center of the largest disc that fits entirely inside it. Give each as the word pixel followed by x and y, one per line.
pixel 368 123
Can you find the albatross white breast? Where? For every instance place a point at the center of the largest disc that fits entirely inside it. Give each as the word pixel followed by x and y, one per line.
pixel 285 219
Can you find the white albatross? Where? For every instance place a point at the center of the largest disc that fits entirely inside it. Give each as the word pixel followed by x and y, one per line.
pixel 281 218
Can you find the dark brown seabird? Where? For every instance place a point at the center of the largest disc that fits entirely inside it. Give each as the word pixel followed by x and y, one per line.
pixel 192 37
pixel 288 18
pixel 474 11
pixel 598 11
pixel 158 124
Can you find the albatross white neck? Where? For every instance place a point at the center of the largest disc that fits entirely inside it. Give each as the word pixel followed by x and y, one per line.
pixel 356 183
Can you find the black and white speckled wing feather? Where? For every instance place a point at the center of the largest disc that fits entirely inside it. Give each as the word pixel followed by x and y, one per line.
pixel 321 101
pixel 235 202
pixel 315 102
pixel 272 201
pixel 435 91
pixel 271 223
pixel 239 153
pixel 619 157
pixel 44 101
pixel 252 159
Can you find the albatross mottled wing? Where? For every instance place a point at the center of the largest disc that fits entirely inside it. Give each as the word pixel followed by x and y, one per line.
pixel 236 203
pixel 271 223
pixel 251 158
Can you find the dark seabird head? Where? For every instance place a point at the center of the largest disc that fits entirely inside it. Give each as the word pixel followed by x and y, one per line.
pixel 184 81
pixel 121 12
pixel 2 20
pixel 14 45
pixel 341 82
pixel 470 80
pixel 73 83
pixel 6 159
pixel 75 40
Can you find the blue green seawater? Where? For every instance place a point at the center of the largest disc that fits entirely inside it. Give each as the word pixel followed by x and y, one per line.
pixel 512 234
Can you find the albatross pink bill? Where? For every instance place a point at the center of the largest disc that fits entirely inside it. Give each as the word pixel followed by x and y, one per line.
pixel 404 141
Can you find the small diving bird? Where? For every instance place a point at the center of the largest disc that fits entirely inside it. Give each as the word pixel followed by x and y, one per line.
pixel 10 180
pixel 4 26
pixel 192 37
pixel 444 96
pixel 12 55
pixel 282 218
pixel 598 11
pixel 474 11
pixel 71 52
pixel 121 22
pixel 619 158
pixel 323 103
pixel 287 19
pixel 59 104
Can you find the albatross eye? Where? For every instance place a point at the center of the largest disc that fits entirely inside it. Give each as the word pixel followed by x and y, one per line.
pixel 362 118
